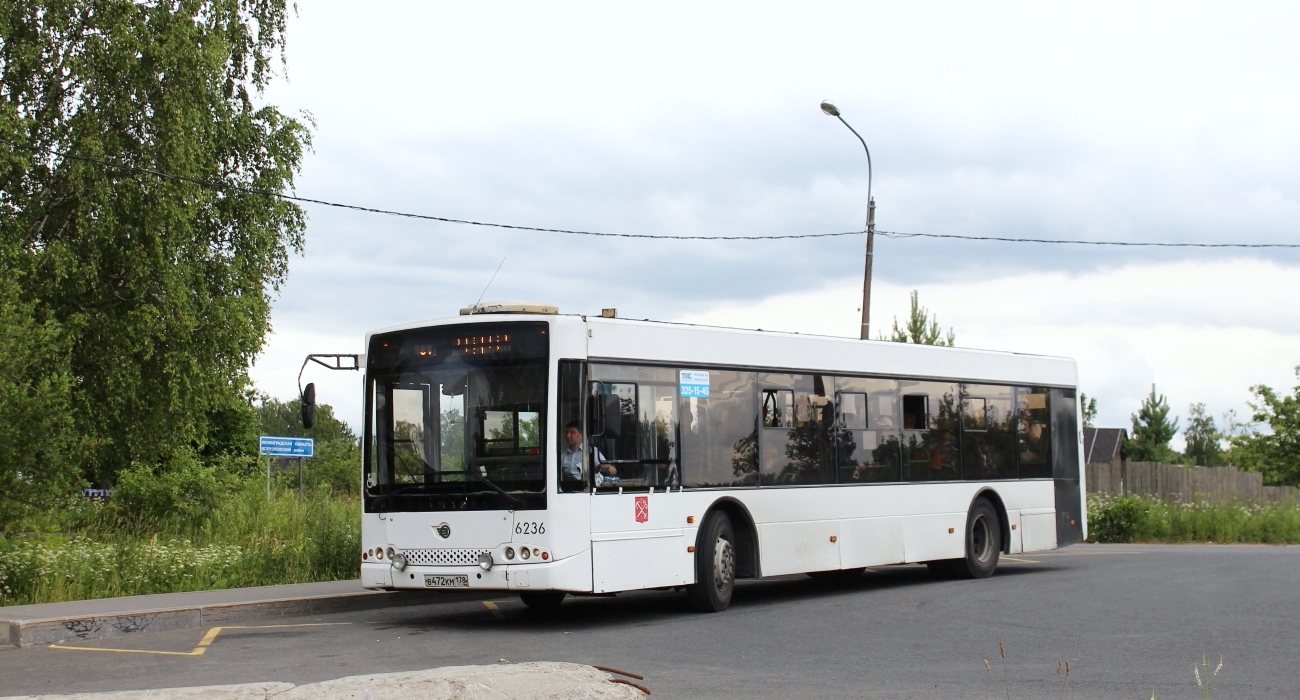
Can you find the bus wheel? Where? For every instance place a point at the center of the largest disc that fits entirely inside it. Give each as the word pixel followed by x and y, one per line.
pixel 542 600
pixel 983 545
pixel 715 565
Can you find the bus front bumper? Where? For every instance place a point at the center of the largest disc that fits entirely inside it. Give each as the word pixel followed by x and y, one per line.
pixel 569 574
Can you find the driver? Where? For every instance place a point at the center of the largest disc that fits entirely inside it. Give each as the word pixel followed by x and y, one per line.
pixel 571 455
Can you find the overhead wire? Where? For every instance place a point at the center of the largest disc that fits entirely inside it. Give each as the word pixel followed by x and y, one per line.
pixel 211 184
pixel 899 234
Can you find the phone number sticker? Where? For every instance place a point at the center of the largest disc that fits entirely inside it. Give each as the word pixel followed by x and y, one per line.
pixel 693 384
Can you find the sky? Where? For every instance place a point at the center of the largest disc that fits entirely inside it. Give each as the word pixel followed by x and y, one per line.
pixel 1170 122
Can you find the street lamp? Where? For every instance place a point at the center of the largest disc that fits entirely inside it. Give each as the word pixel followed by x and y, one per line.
pixel 833 111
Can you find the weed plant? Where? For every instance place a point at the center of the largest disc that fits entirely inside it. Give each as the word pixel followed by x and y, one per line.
pixel 1146 519
pixel 95 550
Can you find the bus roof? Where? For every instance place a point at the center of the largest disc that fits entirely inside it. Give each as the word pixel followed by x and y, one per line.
pixel 704 346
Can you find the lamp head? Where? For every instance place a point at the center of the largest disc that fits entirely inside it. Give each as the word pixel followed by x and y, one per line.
pixel 830 109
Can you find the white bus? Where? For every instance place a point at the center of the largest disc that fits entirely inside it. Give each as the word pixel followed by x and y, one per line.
pixel 518 449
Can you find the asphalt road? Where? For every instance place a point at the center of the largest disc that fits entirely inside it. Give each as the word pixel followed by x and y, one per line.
pixel 1128 619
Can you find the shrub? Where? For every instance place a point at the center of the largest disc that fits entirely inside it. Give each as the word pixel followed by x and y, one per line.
pixel 1115 519
pixel 183 488
pixel 1145 519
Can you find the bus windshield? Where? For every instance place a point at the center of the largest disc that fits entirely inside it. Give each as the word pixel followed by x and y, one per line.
pixel 455 418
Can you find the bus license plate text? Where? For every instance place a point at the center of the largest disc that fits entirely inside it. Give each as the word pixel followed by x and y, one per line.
pixel 436 581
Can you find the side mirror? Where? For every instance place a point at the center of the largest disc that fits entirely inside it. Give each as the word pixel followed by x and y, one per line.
pixel 613 416
pixel 594 418
pixel 604 415
pixel 309 406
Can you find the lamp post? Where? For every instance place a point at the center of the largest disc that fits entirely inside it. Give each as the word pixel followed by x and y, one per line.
pixel 831 110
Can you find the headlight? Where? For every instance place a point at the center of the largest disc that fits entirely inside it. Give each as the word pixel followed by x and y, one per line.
pixel 510 553
pixel 524 553
pixel 485 561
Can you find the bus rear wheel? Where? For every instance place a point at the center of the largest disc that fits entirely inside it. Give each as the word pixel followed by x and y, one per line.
pixel 983 545
pixel 715 565
pixel 542 600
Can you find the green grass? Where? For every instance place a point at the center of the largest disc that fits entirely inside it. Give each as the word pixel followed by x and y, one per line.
pixel 1144 519
pixel 89 550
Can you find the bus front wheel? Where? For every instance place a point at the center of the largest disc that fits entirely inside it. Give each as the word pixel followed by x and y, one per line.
pixel 715 565
pixel 983 545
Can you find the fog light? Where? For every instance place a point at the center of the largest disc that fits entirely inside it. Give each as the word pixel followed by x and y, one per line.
pixel 485 561
pixel 399 561
pixel 525 553
pixel 510 552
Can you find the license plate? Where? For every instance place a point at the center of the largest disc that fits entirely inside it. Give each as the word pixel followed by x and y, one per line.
pixel 436 581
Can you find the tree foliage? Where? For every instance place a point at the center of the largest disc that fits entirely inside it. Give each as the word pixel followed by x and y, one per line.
pixel 37 435
pixel 1088 407
pixel 1204 440
pixel 1152 431
pixel 156 289
pixel 921 328
pixel 337 464
pixel 1275 453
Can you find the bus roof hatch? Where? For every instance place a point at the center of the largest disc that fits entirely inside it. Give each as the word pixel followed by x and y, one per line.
pixel 509 307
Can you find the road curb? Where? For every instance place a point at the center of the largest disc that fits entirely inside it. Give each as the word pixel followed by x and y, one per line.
pixel 43 631
pixel 535 679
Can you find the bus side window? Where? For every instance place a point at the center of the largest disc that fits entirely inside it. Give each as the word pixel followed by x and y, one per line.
pixel 1033 433
pixel 916 412
pixel 974 413
pixel 987 435
pixel 615 430
pixel 572 461
pixel 718 435
pixel 633 420
pixel 853 411
pixel 931 425
pixel 778 408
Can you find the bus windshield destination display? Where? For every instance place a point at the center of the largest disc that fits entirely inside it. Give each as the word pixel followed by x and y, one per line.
pixel 484 344
pixel 512 340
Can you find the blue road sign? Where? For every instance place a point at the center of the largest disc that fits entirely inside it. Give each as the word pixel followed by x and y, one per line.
pixel 286 446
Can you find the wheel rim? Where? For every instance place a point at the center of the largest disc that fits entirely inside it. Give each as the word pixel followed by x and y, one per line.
pixel 981 539
pixel 724 564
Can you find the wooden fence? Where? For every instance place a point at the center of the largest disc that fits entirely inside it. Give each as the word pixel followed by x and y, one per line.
pixel 1174 482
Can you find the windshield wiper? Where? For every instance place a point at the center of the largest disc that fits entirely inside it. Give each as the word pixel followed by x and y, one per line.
pixel 380 499
pixel 498 489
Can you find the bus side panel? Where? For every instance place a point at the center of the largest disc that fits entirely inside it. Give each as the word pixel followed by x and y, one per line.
pixel 793 548
pixel 638 541
pixel 871 542
pixel 1037 529
pixel 1065 468
pixel 643 560
pixel 568 525
pixel 934 536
